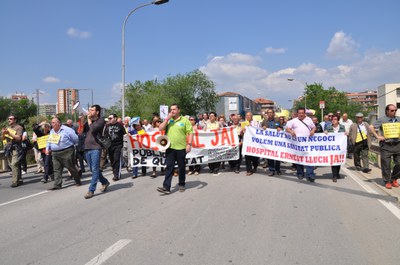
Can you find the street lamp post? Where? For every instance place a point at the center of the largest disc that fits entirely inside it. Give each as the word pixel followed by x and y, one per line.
pixel 304 94
pixel 156 2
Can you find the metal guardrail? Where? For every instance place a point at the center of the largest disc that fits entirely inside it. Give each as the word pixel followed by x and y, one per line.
pixel 376 150
pixel 3 161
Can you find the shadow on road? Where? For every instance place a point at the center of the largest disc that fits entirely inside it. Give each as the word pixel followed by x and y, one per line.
pixel 119 186
pixel 341 189
pixel 195 184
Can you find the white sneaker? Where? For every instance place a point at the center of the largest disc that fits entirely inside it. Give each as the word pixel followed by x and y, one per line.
pixel 23 172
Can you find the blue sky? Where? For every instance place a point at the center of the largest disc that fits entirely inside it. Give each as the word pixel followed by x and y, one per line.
pixel 250 47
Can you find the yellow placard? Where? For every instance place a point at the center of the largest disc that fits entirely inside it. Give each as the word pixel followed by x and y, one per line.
pixel 360 138
pixel 8 135
pixel 258 118
pixel 244 124
pixel 391 129
pixel 54 138
pixel 13 132
pixel 42 141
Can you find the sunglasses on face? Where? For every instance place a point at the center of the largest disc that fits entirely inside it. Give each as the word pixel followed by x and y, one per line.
pixel 393 110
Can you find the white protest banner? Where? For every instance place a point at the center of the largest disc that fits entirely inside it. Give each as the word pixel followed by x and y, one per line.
pixel 207 147
pixel 318 150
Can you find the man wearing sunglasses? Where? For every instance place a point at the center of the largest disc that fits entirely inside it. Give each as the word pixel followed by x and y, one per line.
pixel 11 137
pixel 387 130
pixel 116 131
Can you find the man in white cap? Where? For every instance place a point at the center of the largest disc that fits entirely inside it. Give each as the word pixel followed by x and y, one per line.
pixel 360 137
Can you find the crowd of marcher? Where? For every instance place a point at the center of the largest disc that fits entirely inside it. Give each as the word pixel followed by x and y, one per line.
pixel 59 145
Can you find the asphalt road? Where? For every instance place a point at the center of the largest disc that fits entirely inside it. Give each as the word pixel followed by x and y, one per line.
pixel 220 219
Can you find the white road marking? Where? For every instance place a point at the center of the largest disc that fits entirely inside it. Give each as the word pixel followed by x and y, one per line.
pixel 389 205
pixel 43 192
pixel 24 198
pixel 106 254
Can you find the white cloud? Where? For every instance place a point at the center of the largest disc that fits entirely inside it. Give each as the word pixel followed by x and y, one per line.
pixel 116 87
pixel 76 33
pixel 51 79
pixel 275 50
pixel 234 66
pixel 342 46
pixel 242 73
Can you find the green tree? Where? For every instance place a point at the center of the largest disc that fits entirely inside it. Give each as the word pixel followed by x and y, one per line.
pixel 23 109
pixel 194 92
pixel 334 100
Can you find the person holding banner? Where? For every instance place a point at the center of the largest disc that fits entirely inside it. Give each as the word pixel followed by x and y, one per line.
pixel 360 137
pixel 270 122
pixel 213 124
pixel 12 137
pixel 137 129
pixel 335 127
pixel 61 145
pixel 252 162
pixel 387 130
pixel 304 126
pixel 196 168
pixel 235 164
pixel 180 134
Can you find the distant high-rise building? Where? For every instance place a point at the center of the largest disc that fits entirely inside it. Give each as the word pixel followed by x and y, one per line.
pixel 66 99
pixel 48 109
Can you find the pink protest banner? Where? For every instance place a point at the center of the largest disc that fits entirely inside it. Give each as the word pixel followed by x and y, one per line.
pixel 318 150
pixel 207 147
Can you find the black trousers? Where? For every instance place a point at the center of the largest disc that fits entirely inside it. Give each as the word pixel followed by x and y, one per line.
pixel 235 164
pixel 274 165
pixel 173 156
pixel 195 168
pixel 390 151
pixel 360 153
pixel 251 162
pixel 214 166
pixel 80 157
pixel 48 165
pixel 114 153
pixel 335 172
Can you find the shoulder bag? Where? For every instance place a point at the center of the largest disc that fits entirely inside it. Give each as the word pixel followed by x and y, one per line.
pixel 104 139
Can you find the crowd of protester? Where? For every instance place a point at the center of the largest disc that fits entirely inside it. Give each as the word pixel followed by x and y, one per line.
pixel 78 144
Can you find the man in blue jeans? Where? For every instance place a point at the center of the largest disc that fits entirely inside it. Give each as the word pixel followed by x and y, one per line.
pixel 94 128
pixel 303 126
pixel 180 133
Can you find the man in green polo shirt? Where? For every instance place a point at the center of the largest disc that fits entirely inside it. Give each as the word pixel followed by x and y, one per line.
pixel 180 134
